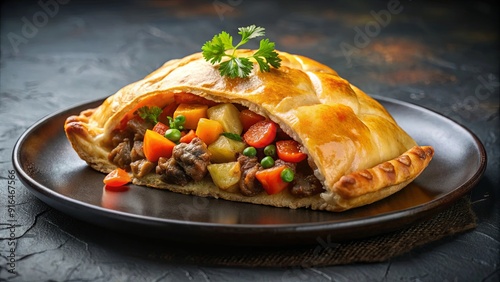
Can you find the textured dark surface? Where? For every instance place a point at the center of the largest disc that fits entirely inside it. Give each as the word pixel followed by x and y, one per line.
pixel 443 56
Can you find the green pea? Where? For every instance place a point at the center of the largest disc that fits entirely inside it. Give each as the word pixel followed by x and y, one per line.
pixel 287 175
pixel 267 162
pixel 180 119
pixel 173 135
pixel 250 152
pixel 270 150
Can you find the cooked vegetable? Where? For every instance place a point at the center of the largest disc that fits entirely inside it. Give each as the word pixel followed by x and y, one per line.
pixel 250 152
pixel 226 176
pixel 228 115
pixel 232 136
pixel 160 127
pixel 270 179
pixel 117 177
pixel 156 145
pixel 192 113
pixel 188 137
pixel 173 135
pixel 150 114
pixel 215 50
pixel 177 122
pixel 225 150
pixel 261 134
pixel 287 175
pixel 249 118
pixel 122 188
pixel 208 130
pixel 267 162
pixel 289 151
pixel 270 150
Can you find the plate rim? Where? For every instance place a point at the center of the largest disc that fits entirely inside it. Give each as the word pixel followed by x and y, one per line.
pixel 57 200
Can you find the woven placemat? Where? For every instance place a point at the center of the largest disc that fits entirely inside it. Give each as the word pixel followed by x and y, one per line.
pixel 458 218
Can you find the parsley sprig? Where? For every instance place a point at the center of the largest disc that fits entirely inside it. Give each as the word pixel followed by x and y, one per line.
pixel 150 114
pixel 213 51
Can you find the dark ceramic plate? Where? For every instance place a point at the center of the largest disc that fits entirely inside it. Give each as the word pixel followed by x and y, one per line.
pixel 52 171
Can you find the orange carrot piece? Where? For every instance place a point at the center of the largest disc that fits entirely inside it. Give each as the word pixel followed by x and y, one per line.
pixel 161 128
pixel 289 151
pixel 270 179
pixel 117 177
pixel 156 145
pixel 208 130
pixel 249 118
pixel 192 112
pixel 188 137
pixel 261 134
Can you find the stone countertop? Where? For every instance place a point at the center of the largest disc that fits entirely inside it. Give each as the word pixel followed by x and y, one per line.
pixel 55 54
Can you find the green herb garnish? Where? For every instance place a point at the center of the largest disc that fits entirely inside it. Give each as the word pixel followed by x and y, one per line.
pixel 232 136
pixel 177 122
pixel 150 114
pixel 216 49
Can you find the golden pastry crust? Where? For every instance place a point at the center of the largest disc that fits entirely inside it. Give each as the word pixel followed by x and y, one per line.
pixel 345 132
pixel 370 185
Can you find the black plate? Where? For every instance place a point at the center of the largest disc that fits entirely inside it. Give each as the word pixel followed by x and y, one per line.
pixel 53 172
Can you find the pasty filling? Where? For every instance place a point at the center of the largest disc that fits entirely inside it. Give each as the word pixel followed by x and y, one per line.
pixel 242 151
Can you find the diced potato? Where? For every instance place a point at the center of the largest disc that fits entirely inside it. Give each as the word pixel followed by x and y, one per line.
pixel 228 115
pixel 224 150
pixel 226 175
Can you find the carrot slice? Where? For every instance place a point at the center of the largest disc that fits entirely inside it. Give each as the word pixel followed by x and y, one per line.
pixel 270 179
pixel 261 134
pixel 289 151
pixel 156 145
pixel 117 177
pixel 249 118
pixel 209 130
pixel 192 112
pixel 187 138
pixel 161 128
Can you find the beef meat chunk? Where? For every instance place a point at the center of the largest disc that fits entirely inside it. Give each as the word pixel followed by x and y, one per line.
pixel 141 167
pixel 120 155
pixel 249 185
pixel 137 152
pixel 193 158
pixel 306 186
pixel 171 171
pixel 138 128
